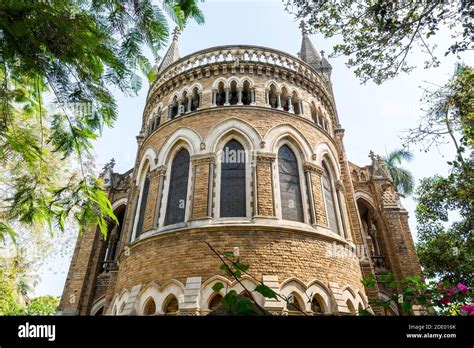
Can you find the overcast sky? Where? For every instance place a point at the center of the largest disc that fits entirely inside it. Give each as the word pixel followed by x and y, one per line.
pixel 374 117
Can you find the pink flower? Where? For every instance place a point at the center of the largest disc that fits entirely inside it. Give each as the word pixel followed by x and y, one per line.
pixel 462 288
pixel 469 309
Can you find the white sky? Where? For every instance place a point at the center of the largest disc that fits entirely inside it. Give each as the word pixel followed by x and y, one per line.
pixel 373 116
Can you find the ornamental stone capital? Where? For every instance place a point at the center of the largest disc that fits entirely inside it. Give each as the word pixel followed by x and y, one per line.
pixel 312 167
pixel 265 157
pixel 204 158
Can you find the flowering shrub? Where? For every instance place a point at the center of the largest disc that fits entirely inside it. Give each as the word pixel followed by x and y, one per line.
pixel 430 298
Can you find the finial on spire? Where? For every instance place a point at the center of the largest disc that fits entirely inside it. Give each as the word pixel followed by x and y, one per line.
pixel 322 53
pixel 176 33
pixel 304 27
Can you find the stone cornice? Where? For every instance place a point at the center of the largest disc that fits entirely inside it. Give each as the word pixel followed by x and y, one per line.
pixel 312 167
pixel 268 157
pixel 204 158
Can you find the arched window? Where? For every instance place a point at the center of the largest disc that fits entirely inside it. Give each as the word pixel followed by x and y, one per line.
pixel 186 102
pixel 285 99
pixel 174 108
pixel 272 97
pixel 290 189
pixel 246 94
pixel 220 94
pixel 150 307
pixel 316 306
pixel 114 234
pixel 171 305
pixel 143 203
pixel 294 303
pixel 178 188
pixel 157 119
pixel 233 193
pixel 215 302
pixel 350 306
pixel 196 99
pixel 296 104
pixel 328 188
pixel 234 93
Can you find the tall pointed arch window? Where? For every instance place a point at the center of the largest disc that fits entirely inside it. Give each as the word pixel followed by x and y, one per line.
pixel 233 193
pixel 143 203
pixel 330 199
pixel 178 188
pixel 290 188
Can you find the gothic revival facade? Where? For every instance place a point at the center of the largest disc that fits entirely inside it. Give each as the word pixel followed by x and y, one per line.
pixel 241 147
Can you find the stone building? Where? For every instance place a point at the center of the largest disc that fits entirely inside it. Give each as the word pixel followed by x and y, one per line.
pixel 242 147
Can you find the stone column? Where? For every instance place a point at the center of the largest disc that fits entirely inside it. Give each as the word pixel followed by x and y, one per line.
pixel 227 97
pixel 161 171
pixel 314 174
pixel 279 101
pixel 312 207
pixel 290 105
pixel 189 104
pixel 151 203
pixel 202 199
pixel 239 94
pixel 214 97
pixel 342 209
pixel 264 196
pixel 252 97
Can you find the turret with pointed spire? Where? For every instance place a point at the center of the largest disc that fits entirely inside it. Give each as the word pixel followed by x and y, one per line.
pixel 172 55
pixel 310 55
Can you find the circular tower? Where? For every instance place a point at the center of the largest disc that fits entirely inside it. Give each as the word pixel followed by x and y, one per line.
pixel 240 148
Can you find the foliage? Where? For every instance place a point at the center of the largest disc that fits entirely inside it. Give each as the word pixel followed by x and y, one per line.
pixel 432 298
pixel 8 292
pixel 449 110
pixel 44 305
pixel 235 304
pixel 402 179
pixel 445 251
pixel 71 52
pixel 378 36
pixel 446 247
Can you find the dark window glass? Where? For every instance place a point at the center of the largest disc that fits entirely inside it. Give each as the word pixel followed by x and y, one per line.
pixel 330 201
pixel 143 203
pixel 215 302
pixel 290 189
pixel 178 188
pixel 150 307
pixel 316 306
pixel 171 306
pixel 233 202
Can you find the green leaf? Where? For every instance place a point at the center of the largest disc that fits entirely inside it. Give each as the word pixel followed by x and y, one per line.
pixel 245 307
pixel 7 230
pixel 217 287
pixel 266 291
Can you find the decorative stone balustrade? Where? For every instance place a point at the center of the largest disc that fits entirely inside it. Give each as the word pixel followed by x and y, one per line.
pixel 238 55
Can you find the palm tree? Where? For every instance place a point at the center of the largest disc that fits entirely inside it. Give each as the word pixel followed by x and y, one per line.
pixel 402 179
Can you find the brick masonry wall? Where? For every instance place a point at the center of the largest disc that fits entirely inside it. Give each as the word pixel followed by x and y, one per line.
pixel 284 253
pixel 265 189
pixel 319 206
pixel 200 194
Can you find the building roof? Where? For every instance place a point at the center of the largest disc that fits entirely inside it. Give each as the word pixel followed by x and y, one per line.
pixel 172 55
pixel 309 54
